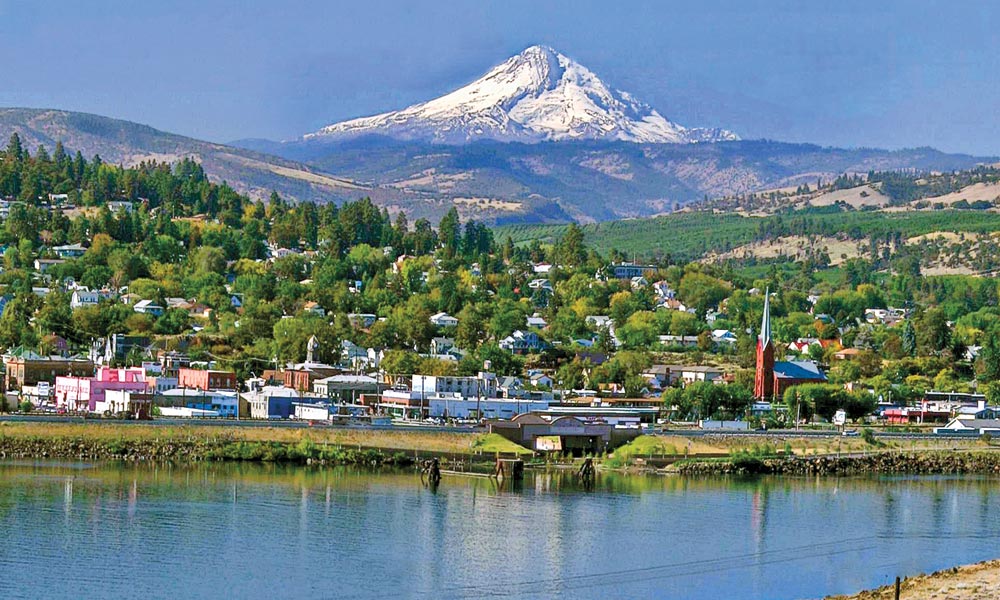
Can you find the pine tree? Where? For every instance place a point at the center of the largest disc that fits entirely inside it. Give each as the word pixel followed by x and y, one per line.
pixel 448 231
pixel 14 148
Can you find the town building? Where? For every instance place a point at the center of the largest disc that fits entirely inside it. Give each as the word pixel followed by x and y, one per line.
pixel 575 435
pixel 32 369
pixel 209 403
pixel 627 270
pixel 137 405
pixel 970 427
pixel 85 393
pixel 344 388
pixel 483 385
pixel 271 402
pixel 206 379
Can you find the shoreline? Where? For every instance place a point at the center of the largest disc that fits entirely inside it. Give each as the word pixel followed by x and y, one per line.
pixel 925 462
pixel 977 581
pixel 136 443
pixel 190 444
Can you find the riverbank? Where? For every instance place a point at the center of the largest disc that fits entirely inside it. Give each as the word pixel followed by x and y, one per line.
pixel 980 581
pixel 136 442
pixel 930 462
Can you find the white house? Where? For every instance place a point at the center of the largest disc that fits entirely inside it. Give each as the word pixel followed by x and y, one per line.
pixel 723 336
pixel 541 380
pixel 361 320
pixel 148 307
pixel 521 342
pixel 43 264
pixel 313 308
pixel 599 321
pixel 81 298
pixel 69 251
pixel 443 319
pixel 119 205
pixel 536 321
pixel 692 374
pixel 970 427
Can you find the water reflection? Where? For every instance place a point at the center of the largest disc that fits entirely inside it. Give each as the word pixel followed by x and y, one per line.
pixel 267 531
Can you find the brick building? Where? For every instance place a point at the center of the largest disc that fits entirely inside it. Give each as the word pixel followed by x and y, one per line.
pixel 206 379
pixel 22 371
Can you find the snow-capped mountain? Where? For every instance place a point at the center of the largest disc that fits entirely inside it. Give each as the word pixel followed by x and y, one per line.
pixel 538 95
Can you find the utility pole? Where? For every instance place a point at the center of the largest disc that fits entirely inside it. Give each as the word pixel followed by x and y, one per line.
pixel 798 409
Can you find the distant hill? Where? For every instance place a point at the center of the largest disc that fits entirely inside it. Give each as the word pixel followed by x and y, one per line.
pixel 124 142
pixel 499 183
pixel 593 180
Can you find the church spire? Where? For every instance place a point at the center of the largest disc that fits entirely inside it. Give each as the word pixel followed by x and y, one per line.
pixel 765 323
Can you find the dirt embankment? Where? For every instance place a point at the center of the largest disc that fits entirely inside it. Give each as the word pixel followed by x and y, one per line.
pixel 980 581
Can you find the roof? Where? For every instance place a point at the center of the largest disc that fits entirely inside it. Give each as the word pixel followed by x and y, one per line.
pixel 348 379
pixel 700 369
pixel 798 369
pixel 765 323
pixel 979 423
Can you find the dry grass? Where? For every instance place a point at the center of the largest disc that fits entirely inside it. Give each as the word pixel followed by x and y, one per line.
pixel 815 446
pixel 430 441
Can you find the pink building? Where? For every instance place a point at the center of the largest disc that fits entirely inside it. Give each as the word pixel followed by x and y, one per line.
pixel 83 393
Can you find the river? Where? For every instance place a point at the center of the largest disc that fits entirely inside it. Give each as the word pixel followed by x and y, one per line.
pixel 76 530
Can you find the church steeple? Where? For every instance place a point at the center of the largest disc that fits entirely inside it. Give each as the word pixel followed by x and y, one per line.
pixel 763 384
pixel 765 323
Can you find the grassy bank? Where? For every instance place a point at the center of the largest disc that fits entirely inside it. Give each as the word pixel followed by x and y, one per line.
pixel 257 444
pixel 929 462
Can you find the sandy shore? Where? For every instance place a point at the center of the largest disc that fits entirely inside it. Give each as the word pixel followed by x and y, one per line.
pixel 980 581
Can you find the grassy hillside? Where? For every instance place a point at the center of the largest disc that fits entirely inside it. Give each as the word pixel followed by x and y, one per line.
pixel 692 235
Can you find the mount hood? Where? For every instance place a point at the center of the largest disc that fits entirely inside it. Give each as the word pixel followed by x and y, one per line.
pixel 538 95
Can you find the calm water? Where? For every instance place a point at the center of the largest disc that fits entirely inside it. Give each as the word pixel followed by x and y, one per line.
pixel 71 530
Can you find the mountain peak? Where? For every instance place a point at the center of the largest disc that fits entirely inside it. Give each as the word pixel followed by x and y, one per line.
pixel 536 95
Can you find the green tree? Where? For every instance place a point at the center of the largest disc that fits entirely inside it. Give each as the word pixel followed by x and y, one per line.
pixel 909 339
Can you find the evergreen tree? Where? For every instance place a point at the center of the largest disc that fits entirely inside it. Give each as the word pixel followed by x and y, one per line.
pixel 15 150
pixel 448 232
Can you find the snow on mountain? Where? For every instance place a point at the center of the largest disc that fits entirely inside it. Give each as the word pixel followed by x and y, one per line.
pixel 538 95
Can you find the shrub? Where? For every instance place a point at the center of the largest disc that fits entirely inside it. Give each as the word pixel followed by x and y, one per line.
pixel 869 436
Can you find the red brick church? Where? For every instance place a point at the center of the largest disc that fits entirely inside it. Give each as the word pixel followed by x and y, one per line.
pixel 773 378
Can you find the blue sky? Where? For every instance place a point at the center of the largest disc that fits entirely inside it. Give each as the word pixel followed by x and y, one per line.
pixel 886 74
